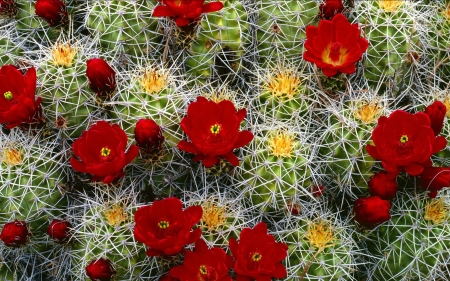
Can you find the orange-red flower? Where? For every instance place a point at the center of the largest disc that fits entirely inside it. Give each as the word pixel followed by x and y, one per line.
pixel 213 129
pixel 434 179
pixel 204 264
pixel 100 151
pixel 436 112
pixel 329 8
pixel 54 12
pixel 185 12
pixel 257 255
pixel 405 140
pixel 335 46
pixel 15 234
pixel 384 185
pixel 100 270
pixel 165 227
pixel 371 211
pixel 18 103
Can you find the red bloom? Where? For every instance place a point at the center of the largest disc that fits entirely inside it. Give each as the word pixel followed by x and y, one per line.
pixel 54 12
pixel 148 135
pixel 8 8
pixel 204 264
pixel 165 227
pixel 330 8
pixel 405 140
pixel 100 270
pixel 213 129
pixel 335 46
pixel 371 211
pixel 102 78
pixel 384 185
pixel 185 12
pixel 436 112
pixel 100 151
pixel 434 179
pixel 59 230
pixel 14 234
pixel 18 103
pixel 257 255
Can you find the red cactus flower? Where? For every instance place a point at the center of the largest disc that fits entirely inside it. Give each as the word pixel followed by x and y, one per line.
pixel 148 135
pixel 14 234
pixel 213 129
pixel 102 78
pixel 100 151
pixel 371 211
pixel 436 112
pixel 330 8
pixel 18 102
pixel 335 46
pixel 434 179
pixel 257 255
pixel 54 12
pixel 100 270
pixel 59 230
pixel 165 227
pixel 384 185
pixel 204 264
pixel 405 140
pixel 185 12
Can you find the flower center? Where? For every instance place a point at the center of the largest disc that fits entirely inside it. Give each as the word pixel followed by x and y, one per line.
pixel 390 5
pixel 8 95
pixel 203 270
pixel 163 224
pixel 12 157
pixel 105 151
pixel 281 144
pixel 334 54
pixel 63 55
pixel 215 129
pixel 404 139
pixel 154 81
pixel 284 83
pixel 116 215
pixel 320 235
pixel 436 211
pixel 256 257
pixel 213 216
pixel 368 113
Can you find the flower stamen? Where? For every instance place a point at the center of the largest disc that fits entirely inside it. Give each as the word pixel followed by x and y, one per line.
pixel 115 215
pixel 203 270
pixel 12 157
pixel 320 235
pixel 163 224
pixel 105 151
pixel 390 5
pixel 281 144
pixel 154 81
pixel 8 95
pixel 404 139
pixel 436 211
pixel 215 129
pixel 63 55
pixel 256 257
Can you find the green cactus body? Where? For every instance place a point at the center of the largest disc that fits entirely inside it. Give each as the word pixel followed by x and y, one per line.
pixel 389 26
pixel 8 51
pixel 414 244
pixel 343 148
pixel 31 179
pixel 281 28
pixel 125 26
pixel 6 272
pixel 68 103
pixel 318 250
pixel 439 41
pixel 277 170
pixel 105 229
pixel 220 43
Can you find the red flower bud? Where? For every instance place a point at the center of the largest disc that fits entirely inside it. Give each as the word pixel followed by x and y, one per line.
pixel 102 78
pixel 371 211
pixel 54 12
pixel 436 112
pixel 100 270
pixel 58 230
pixel 14 234
pixel 330 8
pixel 384 185
pixel 8 8
pixel 434 179
pixel 148 135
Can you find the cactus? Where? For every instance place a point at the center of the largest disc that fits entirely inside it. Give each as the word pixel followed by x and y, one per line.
pixel 390 27
pixel 415 243
pixel 281 28
pixel 221 42
pixel 68 103
pixel 104 228
pixel 8 50
pixel 125 27
pixel 32 183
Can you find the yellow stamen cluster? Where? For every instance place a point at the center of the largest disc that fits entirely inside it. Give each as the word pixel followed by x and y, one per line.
pixel 281 144
pixel 154 81
pixel 390 5
pixel 320 235
pixel 446 12
pixel 215 129
pixel 368 112
pixel 436 211
pixel 105 151
pixel 446 102
pixel 203 270
pixel 256 256
pixel 163 224
pixel 12 157
pixel 404 139
pixel 218 95
pixel 8 95
pixel 283 82
pixel 63 54
pixel 116 214
pixel 213 216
